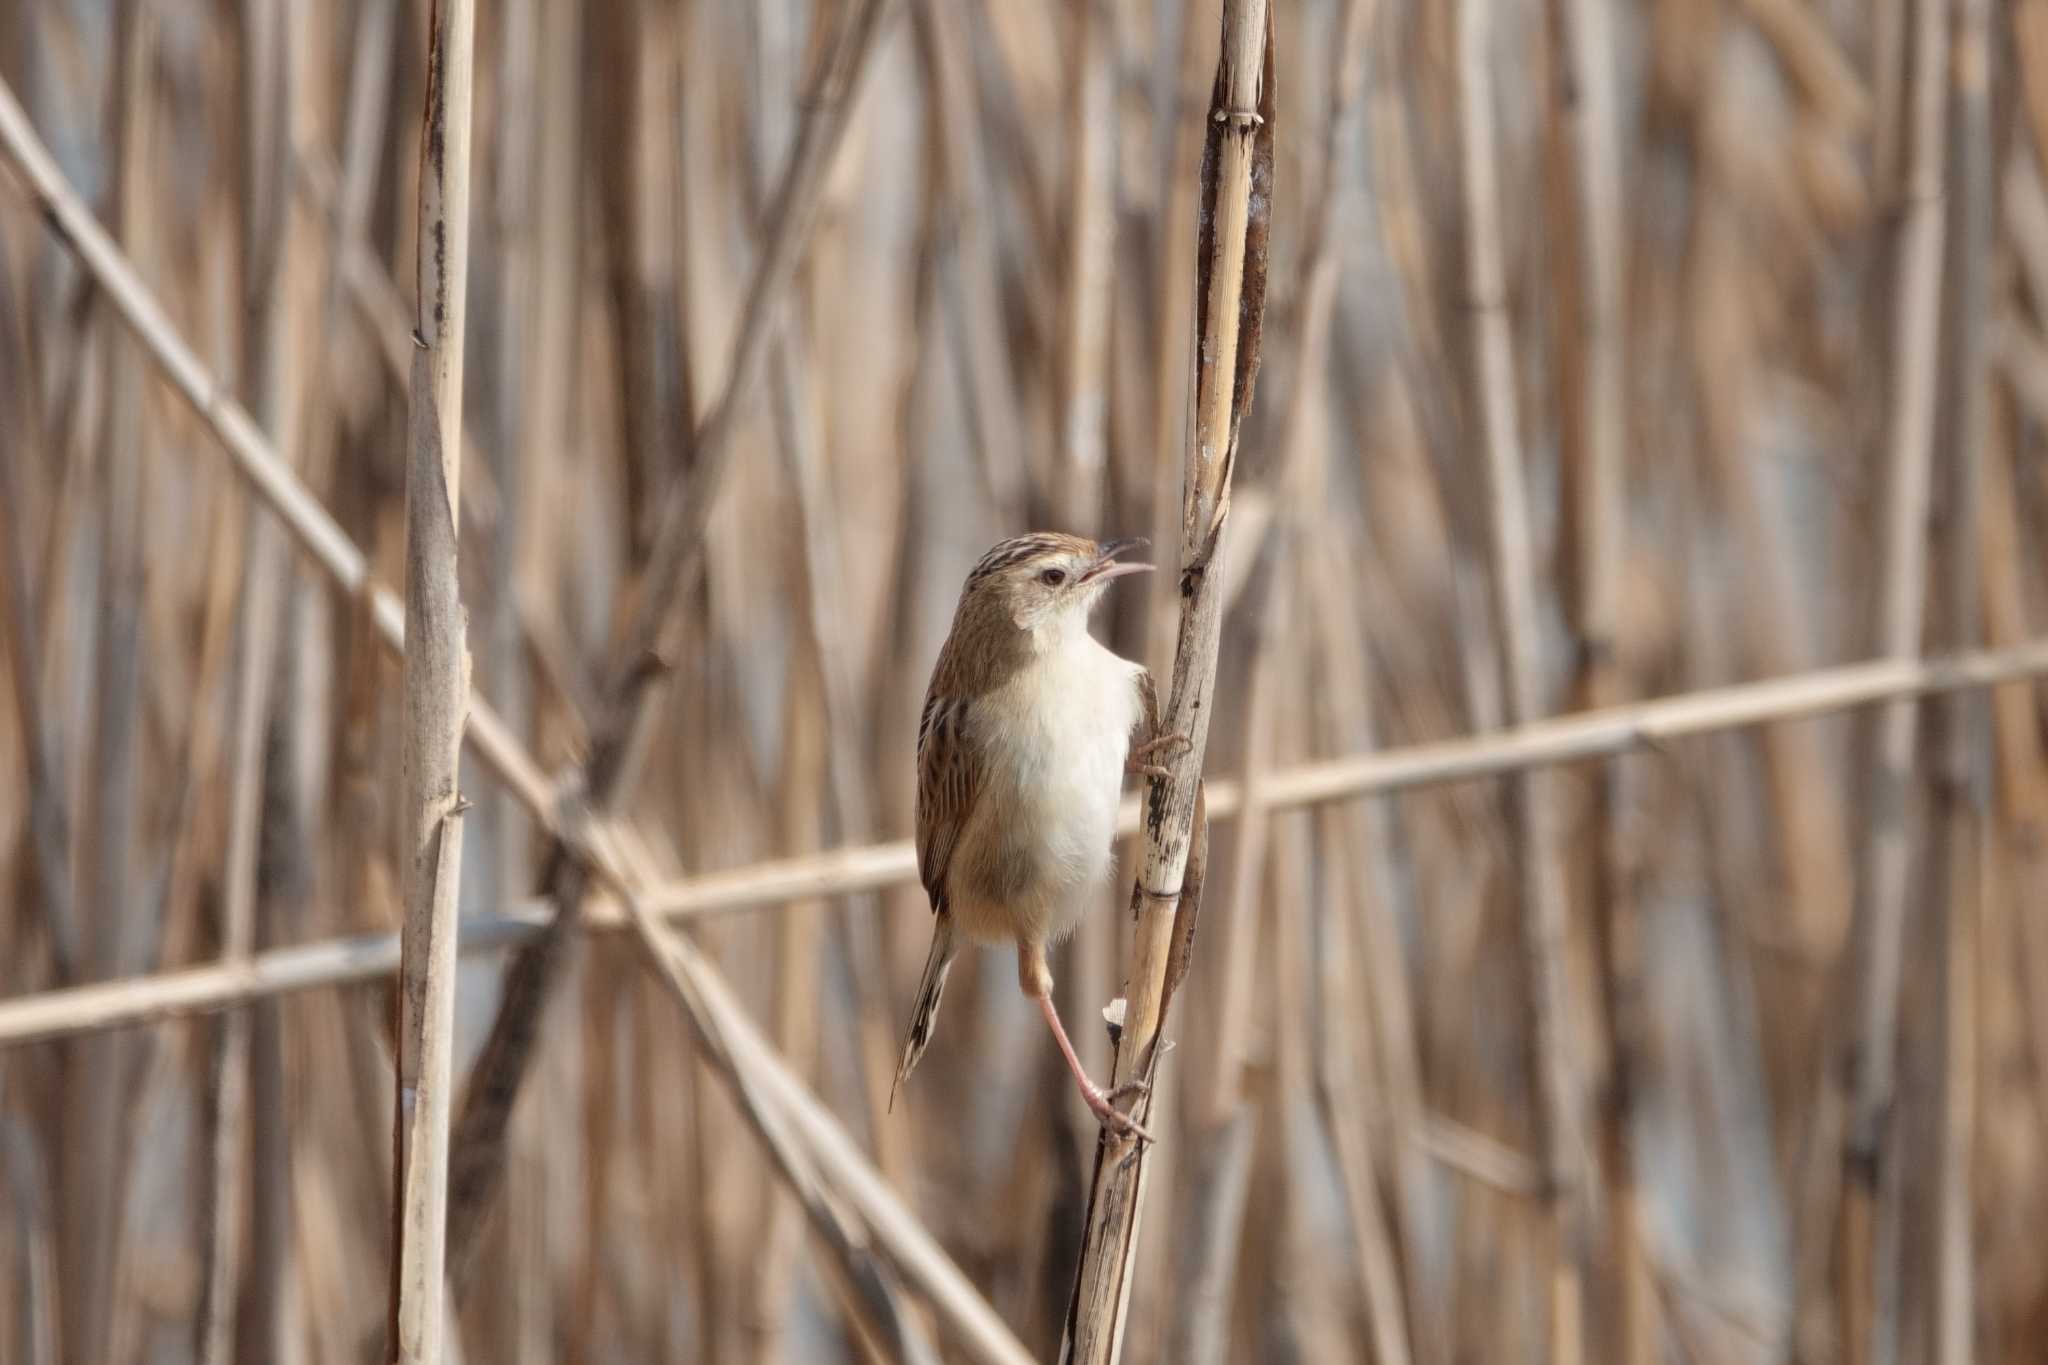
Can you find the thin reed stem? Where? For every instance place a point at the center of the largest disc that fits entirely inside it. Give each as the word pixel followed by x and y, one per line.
pixel 1884 870
pixel 436 687
pixel 1230 289
pixel 1531 801
pixel 670 573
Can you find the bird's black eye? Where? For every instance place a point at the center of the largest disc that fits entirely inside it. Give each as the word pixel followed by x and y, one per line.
pixel 1052 578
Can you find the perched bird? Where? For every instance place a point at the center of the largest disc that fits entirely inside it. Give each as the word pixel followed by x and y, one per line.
pixel 1021 755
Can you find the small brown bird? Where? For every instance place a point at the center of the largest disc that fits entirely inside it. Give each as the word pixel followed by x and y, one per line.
pixel 1021 753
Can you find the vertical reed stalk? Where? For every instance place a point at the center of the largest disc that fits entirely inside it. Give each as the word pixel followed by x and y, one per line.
pixel 269 102
pixel 49 805
pixel 1885 871
pixel 1594 433
pixel 1230 290
pixel 93 1146
pixel 1083 389
pixel 1531 801
pixel 436 690
pixel 1963 859
pixel 1090 250
pixel 1179 195
pixel 670 572
pixel 965 255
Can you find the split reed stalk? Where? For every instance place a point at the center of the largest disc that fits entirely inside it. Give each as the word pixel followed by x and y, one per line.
pixel 1230 289
pixel 436 683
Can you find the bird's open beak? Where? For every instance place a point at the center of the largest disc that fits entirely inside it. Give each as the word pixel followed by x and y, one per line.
pixel 1106 566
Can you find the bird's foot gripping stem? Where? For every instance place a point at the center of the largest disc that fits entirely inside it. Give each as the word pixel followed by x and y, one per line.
pixel 1173 745
pixel 1100 1102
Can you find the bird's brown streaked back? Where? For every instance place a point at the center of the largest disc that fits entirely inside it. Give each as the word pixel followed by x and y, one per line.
pixel 946 787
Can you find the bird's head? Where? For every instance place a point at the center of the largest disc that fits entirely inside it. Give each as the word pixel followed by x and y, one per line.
pixel 1046 583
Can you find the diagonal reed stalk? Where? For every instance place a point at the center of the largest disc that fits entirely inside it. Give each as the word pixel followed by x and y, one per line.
pixel 319 536
pixel 849 1208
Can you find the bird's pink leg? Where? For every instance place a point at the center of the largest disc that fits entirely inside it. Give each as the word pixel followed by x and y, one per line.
pixel 1107 1113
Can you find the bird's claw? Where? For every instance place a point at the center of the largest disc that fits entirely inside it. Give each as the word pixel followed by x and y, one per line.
pixel 1125 1090
pixel 1174 744
pixel 1115 1119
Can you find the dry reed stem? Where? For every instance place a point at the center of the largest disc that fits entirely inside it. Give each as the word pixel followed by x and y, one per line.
pixel 1564 739
pixel 1963 865
pixel 886 1327
pixel 1304 487
pixel 268 75
pixel 1341 1074
pixel 970 277
pixel 310 524
pixel 1179 190
pixel 830 623
pixel 1885 870
pixel 436 683
pixel 1222 1093
pixel 669 575
pixel 819 706
pixel 1594 462
pixel 1299 481
pixel 1230 291
pixel 1364 834
pixel 1813 842
pixel 1741 128
pixel 1090 249
pixel 632 164
pixel 97 1103
pixel 1203 1263
pixel 381 309
pixel 521 379
pixel 1076 490
pixel 1561 1143
pixel 49 802
pixel 894 1228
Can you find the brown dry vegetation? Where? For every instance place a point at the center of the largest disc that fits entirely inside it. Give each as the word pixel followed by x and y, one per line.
pixel 1611 352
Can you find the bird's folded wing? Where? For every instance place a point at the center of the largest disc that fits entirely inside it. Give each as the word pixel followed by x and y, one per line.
pixel 949 769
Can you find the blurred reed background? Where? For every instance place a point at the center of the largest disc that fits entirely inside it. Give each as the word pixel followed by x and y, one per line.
pixel 1737 1039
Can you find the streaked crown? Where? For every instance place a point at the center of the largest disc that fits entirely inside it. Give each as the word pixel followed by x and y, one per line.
pixel 1027 549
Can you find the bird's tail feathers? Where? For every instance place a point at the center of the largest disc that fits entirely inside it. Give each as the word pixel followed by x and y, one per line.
pixel 925 1013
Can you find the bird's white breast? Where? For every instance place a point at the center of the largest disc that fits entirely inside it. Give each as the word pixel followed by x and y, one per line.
pixel 1061 747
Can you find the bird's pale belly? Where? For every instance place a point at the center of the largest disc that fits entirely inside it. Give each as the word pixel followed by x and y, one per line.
pixel 1029 875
